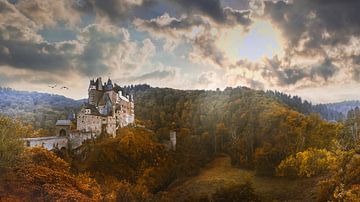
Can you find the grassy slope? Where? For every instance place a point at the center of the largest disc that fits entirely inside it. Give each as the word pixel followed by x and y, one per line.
pixel 220 173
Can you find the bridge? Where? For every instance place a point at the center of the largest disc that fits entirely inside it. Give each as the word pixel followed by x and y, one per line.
pixel 49 143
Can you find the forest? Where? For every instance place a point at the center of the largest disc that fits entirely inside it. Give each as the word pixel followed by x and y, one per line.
pixel 256 129
pixel 40 110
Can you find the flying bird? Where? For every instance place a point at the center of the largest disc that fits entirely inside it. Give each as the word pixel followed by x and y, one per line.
pixel 52 86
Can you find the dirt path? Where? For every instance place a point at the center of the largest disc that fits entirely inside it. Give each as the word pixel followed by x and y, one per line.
pixel 219 173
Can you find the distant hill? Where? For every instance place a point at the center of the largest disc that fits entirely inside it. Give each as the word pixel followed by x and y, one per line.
pixel 344 107
pixel 42 109
pixel 38 109
pixel 330 112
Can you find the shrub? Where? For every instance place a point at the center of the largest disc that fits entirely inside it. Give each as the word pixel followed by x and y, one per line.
pixel 309 163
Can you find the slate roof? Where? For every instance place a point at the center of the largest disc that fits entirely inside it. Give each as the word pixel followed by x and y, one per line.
pixel 94 111
pixel 63 123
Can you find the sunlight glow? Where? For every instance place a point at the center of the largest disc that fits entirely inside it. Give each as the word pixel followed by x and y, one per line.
pixel 262 40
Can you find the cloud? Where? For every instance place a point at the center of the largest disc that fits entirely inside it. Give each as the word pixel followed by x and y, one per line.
pixel 199 32
pixel 211 8
pixel 214 10
pixel 206 78
pixel 97 49
pixel 22 48
pixel 49 13
pixel 315 22
pixel 113 10
pixel 100 43
pixel 154 75
pixel 290 75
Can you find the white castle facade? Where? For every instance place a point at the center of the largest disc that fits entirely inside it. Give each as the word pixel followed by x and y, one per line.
pixel 107 109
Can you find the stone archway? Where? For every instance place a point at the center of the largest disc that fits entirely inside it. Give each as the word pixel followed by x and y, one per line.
pixel 62 133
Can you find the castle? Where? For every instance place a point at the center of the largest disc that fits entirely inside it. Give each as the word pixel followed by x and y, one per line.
pixel 107 109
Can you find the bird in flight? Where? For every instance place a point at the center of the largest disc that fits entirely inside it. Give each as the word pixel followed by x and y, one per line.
pixel 52 86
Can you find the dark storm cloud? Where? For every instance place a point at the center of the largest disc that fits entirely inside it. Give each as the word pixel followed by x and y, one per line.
pixel 320 22
pixel 211 8
pixel 285 75
pixel 325 70
pixel 20 52
pixel 22 47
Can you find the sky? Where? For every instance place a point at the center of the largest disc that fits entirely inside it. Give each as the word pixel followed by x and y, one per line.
pixel 309 48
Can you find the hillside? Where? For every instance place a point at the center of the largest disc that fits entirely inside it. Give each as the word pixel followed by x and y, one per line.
pixel 41 110
pixel 257 132
pixel 344 107
pixel 219 174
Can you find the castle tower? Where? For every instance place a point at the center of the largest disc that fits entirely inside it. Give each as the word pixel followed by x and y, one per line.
pixel 109 86
pixel 95 91
pixel 99 84
pixel 92 92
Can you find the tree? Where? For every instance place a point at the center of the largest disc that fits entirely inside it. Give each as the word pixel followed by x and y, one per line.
pixel 309 163
pixel 10 144
pixel 42 176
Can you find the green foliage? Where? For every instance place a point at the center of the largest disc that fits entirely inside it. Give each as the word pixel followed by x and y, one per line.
pixel 10 144
pixel 255 129
pixel 326 111
pixel 41 110
pixel 309 163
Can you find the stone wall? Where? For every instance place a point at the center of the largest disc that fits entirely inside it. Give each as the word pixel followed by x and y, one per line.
pixel 49 143
pixel 76 139
pixel 89 123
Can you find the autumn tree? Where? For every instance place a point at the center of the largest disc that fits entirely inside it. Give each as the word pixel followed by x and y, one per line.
pixel 42 176
pixel 10 144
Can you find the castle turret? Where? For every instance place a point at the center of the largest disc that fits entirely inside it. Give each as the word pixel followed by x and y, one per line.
pixel 99 84
pixel 92 85
pixel 95 89
pixel 109 86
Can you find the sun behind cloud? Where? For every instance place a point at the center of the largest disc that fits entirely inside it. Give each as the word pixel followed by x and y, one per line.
pixel 262 40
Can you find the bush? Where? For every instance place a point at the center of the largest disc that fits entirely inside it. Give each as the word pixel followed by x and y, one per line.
pixel 309 163
pixel 44 177
pixel 10 144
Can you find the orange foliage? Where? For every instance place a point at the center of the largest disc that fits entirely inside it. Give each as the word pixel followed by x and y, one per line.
pixel 43 176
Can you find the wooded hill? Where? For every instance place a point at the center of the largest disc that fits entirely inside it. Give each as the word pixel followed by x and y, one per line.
pixel 257 131
pixel 41 110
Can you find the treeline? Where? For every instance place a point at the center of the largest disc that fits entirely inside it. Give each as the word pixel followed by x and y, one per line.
pixel 41 110
pixel 330 112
